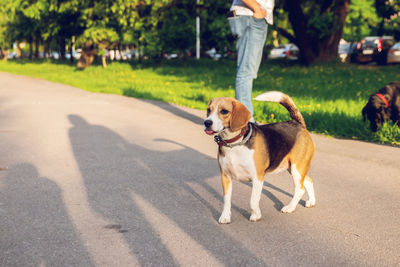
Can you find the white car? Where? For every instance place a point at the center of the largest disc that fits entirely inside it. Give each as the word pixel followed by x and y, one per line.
pixel 12 55
pixel 287 51
pixel 55 55
pixel 212 53
pixel 170 56
pixel 393 55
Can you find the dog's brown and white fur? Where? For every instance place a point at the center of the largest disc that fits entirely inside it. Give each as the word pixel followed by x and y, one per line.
pixel 269 149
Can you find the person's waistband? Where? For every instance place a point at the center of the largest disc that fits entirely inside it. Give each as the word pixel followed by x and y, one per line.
pixel 240 11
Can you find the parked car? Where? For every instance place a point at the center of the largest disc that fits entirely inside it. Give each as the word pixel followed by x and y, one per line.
pixel 12 55
pixel 170 56
pixel 127 54
pixel 77 54
pixel 287 51
pixel 212 53
pixel 374 48
pixel 114 54
pixel 55 55
pixel 394 54
pixel 347 52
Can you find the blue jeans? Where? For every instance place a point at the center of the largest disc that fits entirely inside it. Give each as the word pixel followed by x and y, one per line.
pixel 251 34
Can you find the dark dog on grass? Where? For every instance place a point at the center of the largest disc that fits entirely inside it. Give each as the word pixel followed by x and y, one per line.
pixel 383 106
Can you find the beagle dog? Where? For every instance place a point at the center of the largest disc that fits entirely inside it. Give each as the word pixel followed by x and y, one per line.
pixel 248 152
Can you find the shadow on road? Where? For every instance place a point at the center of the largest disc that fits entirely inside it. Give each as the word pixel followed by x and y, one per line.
pixel 164 105
pixel 35 226
pixel 114 170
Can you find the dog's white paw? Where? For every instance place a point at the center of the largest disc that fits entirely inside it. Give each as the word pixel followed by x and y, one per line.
pixel 310 204
pixel 225 218
pixel 255 217
pixel 288 209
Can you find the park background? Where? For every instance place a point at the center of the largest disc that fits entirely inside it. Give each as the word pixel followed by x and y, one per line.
pixel 41 38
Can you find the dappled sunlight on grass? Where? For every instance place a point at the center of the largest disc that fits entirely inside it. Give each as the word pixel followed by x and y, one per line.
pixel 330 96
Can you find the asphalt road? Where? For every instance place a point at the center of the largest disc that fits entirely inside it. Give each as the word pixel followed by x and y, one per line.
pixel 90 179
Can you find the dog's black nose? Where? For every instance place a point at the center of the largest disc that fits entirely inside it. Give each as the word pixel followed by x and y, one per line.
pixel 208 123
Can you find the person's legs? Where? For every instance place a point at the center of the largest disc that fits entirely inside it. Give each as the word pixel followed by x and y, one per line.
pixel 243 88
pixel 250 46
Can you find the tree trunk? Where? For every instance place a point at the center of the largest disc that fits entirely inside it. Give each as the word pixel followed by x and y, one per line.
pixel 103 48
pixel 299 24
pixel 329 46
pixel 139 47
pixel 46 51
pixel 120 51
pixel 4 54
pixel 37 46
pixel 381 27
pixel 87 57
pixel 19 52
pixel 30 48
pixel 62 44
pixel 104 61
pixel 312 49
pixel 71 49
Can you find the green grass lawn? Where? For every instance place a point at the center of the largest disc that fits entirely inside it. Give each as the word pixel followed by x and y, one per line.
pixel 330 96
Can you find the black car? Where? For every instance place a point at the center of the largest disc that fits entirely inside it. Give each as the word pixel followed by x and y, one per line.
pixel 374 48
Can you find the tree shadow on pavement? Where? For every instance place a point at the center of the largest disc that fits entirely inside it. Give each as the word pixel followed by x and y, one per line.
pixel 117 174
pixel 36 229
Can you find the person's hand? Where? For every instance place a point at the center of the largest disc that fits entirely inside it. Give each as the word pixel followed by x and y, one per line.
pixel 259 13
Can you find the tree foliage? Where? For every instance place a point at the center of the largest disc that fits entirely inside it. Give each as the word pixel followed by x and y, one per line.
pixel 389 13
pixel 155 27
pixel 177 28
pixel 316 25
pixel 5 38
pixel 361 20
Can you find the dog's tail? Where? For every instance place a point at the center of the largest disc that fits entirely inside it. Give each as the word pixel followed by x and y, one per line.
pixel 284 100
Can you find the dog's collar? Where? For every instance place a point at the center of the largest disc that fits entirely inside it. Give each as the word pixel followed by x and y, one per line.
pixel 383 99
pixel 228 142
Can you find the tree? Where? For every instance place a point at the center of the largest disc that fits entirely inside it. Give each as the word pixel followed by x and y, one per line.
pixel 42 21
pixel 21 24
pixel 64 21
pixel 389 13
pixel 95 40
pixel 97 34
pixel 5 41
pixel 149 31
pixel 361 20
pixel 216 31
pixel 317 27
pixel 177 27
pixel 112 22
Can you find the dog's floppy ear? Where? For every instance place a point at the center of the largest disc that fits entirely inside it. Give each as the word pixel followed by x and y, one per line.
pixel 209 102
pixel 240 116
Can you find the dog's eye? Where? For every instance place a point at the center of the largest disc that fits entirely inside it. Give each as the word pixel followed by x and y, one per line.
pixel 208 110
pixel 224 111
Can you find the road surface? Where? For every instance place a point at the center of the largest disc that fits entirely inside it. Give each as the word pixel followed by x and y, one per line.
pixel 89 179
